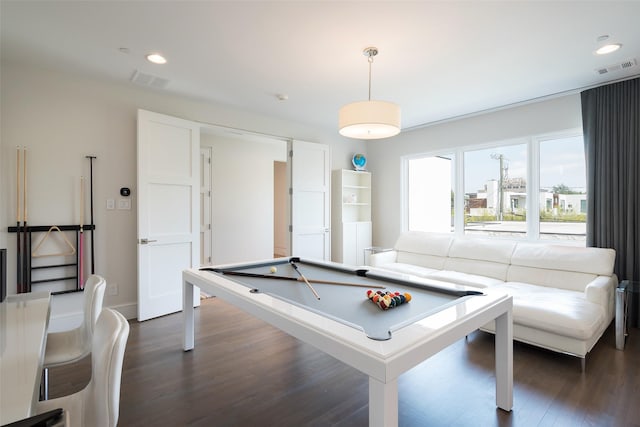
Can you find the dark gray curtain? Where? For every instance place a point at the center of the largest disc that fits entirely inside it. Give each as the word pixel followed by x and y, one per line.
pixel 611 124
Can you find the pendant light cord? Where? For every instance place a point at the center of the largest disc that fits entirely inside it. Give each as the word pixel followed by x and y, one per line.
pixel 370 59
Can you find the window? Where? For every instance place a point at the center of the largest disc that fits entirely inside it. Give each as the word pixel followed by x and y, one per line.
pixel 430 193
pixel 495 191
pixel 563 194
pixel 531 188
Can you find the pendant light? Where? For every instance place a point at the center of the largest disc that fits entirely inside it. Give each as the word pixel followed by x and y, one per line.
pixel 369 119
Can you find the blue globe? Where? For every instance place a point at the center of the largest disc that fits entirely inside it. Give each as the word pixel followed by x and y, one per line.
pixel 359 161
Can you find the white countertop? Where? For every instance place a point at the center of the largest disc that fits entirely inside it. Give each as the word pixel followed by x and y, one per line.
pixel 24 319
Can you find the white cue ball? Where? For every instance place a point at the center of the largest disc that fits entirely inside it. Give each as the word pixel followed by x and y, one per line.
pixel 273 269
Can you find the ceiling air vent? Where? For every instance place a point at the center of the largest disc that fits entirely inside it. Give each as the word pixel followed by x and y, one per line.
pixel 149 80
pixel 624 65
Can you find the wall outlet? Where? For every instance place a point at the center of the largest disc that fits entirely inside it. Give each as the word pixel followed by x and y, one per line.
pixel 112 289
pixel 111 204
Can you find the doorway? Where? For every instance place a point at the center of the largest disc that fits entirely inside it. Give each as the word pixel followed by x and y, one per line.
pixel 280 216
pixel 242 201
pixel 245 208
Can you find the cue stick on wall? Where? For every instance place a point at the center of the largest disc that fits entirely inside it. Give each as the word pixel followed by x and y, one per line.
pixel 295 267
pixel 93 263
pixel 81 237
pixel 18 219
pixel 295 279
pixel 26 283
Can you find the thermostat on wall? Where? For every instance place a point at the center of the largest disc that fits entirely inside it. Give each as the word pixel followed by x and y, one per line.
pixel 125 192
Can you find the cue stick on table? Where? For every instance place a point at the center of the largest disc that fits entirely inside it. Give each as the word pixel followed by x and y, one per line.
pixel 296 279
pixel 295 267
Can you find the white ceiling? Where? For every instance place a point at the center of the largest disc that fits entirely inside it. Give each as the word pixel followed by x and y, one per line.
pixel 438 60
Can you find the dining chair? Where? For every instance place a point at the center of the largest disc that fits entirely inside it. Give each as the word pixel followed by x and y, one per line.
pixel 98 404
pixel 70 346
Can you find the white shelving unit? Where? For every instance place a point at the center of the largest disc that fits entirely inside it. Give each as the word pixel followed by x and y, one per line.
pixel 351 216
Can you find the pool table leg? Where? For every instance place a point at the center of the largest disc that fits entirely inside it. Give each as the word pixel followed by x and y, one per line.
pixel 188 314
pixel 504 361
pixel 383 403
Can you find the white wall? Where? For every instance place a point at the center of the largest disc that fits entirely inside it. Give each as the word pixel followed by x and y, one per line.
pixel 243 196
pixel 384 161
pixel 61 118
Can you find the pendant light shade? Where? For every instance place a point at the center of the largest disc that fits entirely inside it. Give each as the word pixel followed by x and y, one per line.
pixel 369 119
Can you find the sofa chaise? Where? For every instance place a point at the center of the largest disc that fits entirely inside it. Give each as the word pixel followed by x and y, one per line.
pixel 563 296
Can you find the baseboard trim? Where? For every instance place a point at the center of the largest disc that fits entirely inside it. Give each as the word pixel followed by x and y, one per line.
pixel 129 311
pixel 68 321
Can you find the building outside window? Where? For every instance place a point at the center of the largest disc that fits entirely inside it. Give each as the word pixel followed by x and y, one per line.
pixel 495 190
pixel 563 182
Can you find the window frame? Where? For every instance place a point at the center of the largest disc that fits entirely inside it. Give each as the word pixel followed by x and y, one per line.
pixel 532 143
pixel 404 182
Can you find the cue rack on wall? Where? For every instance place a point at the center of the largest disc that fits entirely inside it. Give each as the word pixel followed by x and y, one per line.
pixel 68 270
pixel 53 244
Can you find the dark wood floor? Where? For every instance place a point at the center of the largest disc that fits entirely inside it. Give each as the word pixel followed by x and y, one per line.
pixel 244 372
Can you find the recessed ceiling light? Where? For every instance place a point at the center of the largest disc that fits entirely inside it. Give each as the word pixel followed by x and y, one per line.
pixel 156 58
pixel 608 48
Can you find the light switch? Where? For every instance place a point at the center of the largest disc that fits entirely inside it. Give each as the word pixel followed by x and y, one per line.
pixel 124 204
pixel 111 204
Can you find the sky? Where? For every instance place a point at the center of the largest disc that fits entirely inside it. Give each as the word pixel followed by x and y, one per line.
pixel 561 162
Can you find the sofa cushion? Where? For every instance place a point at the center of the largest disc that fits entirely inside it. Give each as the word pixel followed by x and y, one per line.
pixel 420 242
pixel 494 270
pixel 596 261
pixel 465 279
pixel 569 280
pixel 499 251
pixel 422 260
pixel 414 270
pixel 480 257
pixel 559 311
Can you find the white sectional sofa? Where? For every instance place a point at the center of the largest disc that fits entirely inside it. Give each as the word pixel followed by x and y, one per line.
pixel 563 296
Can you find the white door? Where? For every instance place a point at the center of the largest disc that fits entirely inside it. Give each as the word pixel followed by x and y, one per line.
pixel 205 207
pixel 363 240
pixel 168 220
pixel 310 169
pixel 349 243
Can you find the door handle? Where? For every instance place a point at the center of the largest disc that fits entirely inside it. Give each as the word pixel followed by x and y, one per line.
pixel 145 241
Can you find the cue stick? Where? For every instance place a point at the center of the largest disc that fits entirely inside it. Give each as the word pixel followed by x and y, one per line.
pixel 18 219
pixel 81 238
pixel 93 263
pixel 295 279
pixel 295 267
pixel 26 284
